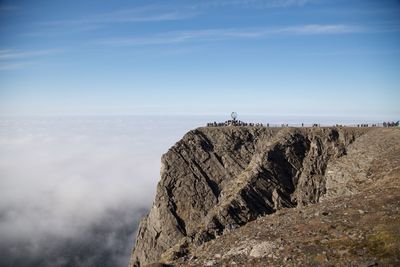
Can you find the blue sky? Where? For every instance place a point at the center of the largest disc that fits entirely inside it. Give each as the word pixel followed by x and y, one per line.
pixel 277 57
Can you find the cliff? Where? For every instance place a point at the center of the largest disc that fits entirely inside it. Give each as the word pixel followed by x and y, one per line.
pixel 217 180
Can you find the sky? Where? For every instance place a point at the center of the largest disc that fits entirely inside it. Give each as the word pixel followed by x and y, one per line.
pixel 279 57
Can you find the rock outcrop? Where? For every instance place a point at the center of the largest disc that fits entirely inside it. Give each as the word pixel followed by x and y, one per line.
pixel 218 179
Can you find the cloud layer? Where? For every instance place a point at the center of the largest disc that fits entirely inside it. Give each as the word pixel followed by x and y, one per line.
pixel 72 190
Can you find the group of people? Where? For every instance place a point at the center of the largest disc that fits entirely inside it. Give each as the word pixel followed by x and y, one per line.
pixel 384 124
pixel 233 123
pixel 391 124
pixel 241 123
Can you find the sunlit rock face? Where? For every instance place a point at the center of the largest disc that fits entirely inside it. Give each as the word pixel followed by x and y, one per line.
pixel 219 178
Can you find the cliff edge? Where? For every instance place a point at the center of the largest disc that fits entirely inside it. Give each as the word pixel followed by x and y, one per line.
pixel 217 180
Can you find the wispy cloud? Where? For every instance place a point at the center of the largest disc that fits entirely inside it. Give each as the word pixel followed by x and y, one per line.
pixel 226 34
pixel 162 12
pixel 352 52
pixel 139 14
pixel 16 59
pixel 154 13
pixel 256 3
pixel 15 54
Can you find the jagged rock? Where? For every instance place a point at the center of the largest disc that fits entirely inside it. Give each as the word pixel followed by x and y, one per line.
pixel 343 176
pixel 219 178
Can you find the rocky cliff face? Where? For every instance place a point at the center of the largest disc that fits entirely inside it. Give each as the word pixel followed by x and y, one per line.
pixel 220 178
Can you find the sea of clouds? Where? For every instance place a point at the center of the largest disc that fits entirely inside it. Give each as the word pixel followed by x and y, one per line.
pixel 73 189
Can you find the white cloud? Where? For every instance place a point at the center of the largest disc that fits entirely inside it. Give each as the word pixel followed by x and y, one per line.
pixel 138 14
pixel 256 3
pixel 78 182
pixel 155 13
pixel 11 59
pixel 162 12
pixel 6 54
pixel 232 33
